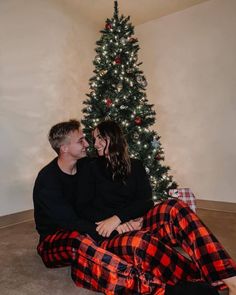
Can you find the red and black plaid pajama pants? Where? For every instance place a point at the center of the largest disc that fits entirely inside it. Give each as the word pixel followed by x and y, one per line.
pixel 142 262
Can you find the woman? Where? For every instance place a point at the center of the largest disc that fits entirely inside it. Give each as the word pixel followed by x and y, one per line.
pixel 119 185
pixel 122 193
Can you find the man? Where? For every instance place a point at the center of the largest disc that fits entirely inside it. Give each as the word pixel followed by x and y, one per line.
pixel 56 187
pixel 67 239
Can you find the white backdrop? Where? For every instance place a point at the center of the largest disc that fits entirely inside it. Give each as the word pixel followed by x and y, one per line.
pixel 190 63
pixel 45 62
pixel 189 60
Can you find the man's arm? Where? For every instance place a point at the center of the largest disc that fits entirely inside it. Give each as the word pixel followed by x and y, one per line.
pixel 53 210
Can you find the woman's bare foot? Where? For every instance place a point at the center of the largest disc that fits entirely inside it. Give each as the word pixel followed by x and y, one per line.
pixel 231 283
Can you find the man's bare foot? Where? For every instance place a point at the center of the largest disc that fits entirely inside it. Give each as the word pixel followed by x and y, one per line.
pixel 231 283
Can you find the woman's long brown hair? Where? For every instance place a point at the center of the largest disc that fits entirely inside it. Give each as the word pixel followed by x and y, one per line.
pixel 119 159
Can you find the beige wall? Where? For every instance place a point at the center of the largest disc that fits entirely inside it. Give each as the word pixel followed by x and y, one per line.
pixel 45 62
pixel 190 62
pixel 46 57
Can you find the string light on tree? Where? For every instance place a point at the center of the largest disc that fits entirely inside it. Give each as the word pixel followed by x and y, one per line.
pixel 118 93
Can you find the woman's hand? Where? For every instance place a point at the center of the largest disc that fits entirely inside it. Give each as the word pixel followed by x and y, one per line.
pixel 133 224
pixel 124 227
pixel 106 227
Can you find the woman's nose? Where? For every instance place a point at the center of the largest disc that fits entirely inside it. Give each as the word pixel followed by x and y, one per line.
pixel 95 143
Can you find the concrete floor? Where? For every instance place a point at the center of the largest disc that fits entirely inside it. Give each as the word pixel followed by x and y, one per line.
pixel 22 272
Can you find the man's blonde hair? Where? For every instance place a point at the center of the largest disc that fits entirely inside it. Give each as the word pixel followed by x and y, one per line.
pixel 59 132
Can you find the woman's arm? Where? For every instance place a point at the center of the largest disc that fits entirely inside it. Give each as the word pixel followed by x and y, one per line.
pixel 124 218
pixel 107 226
pixel 142 201
pixel 133 224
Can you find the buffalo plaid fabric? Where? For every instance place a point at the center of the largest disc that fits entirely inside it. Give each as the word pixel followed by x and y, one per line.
pixel 142 262
pixel 185 195
pixel 95 268
pixel 151 256
pixel 174 223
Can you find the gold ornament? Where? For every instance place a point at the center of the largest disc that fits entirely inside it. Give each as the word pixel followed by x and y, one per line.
pixel 102 72
pixel 119 87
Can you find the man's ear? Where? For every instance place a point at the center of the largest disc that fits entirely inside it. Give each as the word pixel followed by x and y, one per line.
pixel 64 148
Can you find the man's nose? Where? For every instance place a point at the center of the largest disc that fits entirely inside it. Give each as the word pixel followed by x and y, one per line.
pixel 86 144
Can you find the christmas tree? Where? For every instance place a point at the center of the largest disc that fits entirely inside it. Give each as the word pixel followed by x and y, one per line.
pixel 117 92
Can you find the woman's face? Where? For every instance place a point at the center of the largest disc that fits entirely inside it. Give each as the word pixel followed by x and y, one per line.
pixel 101 144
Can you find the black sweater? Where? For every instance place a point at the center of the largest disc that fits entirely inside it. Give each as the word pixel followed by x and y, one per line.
pixel 127 200
pixel 76 202
pixel 56 196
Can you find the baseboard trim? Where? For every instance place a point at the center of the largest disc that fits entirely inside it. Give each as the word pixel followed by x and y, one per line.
pixel 216 206
pixel 15 218
pixel 28 215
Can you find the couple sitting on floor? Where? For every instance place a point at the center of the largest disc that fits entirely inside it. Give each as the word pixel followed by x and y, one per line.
pixel 97 215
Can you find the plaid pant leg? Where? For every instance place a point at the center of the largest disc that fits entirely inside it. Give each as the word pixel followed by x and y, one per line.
pixel 158 263
pixel 92 267
pixel 57 250
pixel 174 222
pixel 98 269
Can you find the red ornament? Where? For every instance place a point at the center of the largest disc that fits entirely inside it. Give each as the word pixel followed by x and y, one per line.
pixel 138 120
pixel 108 26
pixel 108 102
pixel 118 60
pixel 159 157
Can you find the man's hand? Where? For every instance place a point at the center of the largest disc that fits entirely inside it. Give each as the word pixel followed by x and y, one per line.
pixel 106 227
pixel 133 224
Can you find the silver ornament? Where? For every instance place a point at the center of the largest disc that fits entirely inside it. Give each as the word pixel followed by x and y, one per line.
pixel 155 143
pixel 141 80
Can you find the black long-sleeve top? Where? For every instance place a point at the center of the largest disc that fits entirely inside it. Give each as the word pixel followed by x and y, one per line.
pixel 110 197
pixel 56 195
pixel 76 202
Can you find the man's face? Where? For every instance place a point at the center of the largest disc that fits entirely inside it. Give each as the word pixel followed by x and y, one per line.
pixel 76 145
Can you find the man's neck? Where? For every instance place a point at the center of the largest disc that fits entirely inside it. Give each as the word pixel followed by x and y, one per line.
pixel 68 166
